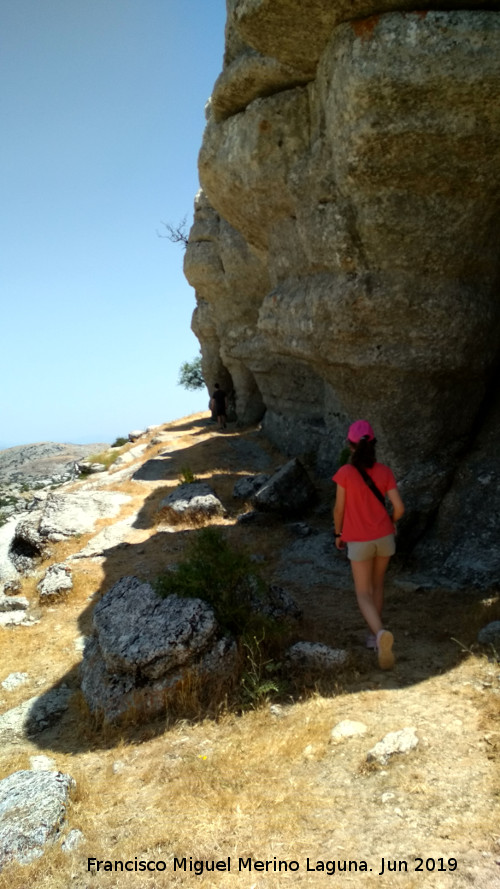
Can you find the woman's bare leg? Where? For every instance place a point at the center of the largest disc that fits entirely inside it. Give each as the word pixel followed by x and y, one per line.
pixel 369 585
pixel 380 564
pixel 362 573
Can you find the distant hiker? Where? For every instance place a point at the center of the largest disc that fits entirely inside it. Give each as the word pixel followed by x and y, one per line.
pixel 219 405
pixel 361 521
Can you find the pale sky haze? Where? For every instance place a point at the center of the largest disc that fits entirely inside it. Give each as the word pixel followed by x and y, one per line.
pixel 102 110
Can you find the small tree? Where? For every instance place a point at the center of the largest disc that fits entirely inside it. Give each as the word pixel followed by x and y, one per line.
pixel 190 375
pixel 177 234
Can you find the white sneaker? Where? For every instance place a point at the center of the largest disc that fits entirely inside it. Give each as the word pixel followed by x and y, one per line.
pixel 385 641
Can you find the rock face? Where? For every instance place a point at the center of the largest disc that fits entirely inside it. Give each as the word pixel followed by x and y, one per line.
pixel 145 648
pixel 344 246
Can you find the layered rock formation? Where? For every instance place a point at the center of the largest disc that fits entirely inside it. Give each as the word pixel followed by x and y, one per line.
pixel 344 247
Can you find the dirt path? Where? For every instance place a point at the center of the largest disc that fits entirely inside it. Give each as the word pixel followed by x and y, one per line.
pixel 272 785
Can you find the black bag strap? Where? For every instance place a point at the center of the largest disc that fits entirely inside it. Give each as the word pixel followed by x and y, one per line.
pixel 371 484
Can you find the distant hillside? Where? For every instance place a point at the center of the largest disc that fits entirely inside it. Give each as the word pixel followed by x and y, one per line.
pixel 43 462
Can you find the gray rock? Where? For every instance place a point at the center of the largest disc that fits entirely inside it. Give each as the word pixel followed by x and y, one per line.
pixel 348 728
pixel 139 631
pixel 33 807
pixel 34 715
pixel 14 680
pixel 9 576
pixel 288 492
pixel 245 488
pixel 129 456
pixel 90 468
pixel 57 580
pixel 15 619
pixel 72 840
pixel 66 515
pixel 123 460
pixel 399 742
pixel 13 603
pixel 27 545
pixel 490 634
pixel 196 499
pixel 253 517
pixel 135 434
pixel 144 648
pixel 115 696
pixel 106 539
pixel 12 588
pixel 279 604
pixel 250 76
pixel 315 656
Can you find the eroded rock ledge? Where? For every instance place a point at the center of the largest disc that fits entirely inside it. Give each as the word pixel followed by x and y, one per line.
pixel 344 249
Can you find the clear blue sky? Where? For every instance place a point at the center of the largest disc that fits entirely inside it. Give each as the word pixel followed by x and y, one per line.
pixel 102 115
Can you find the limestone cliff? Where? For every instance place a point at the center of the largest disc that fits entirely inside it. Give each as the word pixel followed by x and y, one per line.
pixel 345 252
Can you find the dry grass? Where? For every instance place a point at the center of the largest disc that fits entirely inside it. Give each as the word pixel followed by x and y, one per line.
pixel 268 782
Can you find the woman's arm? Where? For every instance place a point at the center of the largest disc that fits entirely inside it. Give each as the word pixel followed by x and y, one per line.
pixel 398 506
pixel 338 515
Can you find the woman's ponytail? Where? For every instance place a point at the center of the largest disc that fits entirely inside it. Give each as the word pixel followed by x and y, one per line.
pixel 363 455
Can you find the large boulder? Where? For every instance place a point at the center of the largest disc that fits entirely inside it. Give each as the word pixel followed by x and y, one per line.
pixel 288 492
pixel 193 500
pixel 145 649
pixel 350 162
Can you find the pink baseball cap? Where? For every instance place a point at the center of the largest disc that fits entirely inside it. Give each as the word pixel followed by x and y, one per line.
pixel 358 430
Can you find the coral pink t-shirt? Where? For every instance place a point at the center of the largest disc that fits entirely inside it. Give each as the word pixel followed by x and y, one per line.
pixel 365 518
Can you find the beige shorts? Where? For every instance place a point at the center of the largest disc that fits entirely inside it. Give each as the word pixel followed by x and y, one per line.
pixel 362 550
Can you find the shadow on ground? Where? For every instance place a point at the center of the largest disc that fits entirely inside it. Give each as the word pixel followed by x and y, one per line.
pixel 431 626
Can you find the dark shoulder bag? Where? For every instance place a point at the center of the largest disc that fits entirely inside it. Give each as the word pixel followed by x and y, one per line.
pixel 371 484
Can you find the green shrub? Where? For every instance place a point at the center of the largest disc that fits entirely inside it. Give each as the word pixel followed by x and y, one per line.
pixel 187 476
pixel 260 676
pixel 227 579
pixel 119 442
pixel 222 576
pixel 107 458
pixel 7 500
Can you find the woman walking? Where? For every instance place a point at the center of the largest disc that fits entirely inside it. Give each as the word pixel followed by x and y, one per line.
pixel 362 521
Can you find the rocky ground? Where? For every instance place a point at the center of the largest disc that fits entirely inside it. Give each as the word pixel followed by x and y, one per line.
pixel 299 780
pixel 42 464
